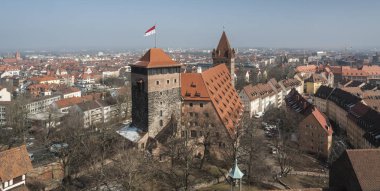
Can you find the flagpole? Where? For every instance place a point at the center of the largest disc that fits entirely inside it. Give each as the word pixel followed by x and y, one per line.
pixel 155 36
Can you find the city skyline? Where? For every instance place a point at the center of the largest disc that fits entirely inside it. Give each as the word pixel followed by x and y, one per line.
pixel 52 25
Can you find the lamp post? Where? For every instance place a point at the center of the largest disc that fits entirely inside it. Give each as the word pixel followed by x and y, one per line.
pixel 236 176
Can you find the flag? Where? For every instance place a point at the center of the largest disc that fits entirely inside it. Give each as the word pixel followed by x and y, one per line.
pixel 150 31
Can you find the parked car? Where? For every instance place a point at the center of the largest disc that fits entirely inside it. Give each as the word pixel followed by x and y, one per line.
pixel 258 115
pixel 57 147
pixel 31 156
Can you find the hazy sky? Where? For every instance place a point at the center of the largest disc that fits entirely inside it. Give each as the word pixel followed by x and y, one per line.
pixel 73 24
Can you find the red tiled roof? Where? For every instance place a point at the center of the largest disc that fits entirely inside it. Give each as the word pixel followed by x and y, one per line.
pixel 9 60
pixel 67 90
pixel 14 163
pixel 258 90
pixel 365 163
pixel 72 101
pixel 193 87
pixel 223 96
pixel 309 68
pixel 322 120
pixel 43 78
pixel 336 69
pixel 8 68
pixel 155 58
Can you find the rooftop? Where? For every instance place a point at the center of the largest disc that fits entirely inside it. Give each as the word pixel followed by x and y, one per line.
pixel 155 58
pixel 223 96
pixel 14 163
pixel 365 163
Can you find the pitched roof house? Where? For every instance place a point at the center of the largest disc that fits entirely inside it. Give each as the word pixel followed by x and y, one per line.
pixel 14 165
pixel 357 169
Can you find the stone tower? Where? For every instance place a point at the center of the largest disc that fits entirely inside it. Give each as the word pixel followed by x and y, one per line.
pixel 156 94
pixel 224 54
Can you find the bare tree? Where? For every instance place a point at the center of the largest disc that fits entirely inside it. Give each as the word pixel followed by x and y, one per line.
pixel 72 133
pixel 252 151
pixel 17 121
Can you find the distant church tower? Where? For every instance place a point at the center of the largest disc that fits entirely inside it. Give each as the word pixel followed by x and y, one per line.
pixel 156 94
pixel 224 54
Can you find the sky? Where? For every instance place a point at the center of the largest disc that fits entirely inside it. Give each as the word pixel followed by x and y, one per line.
pixel 120 24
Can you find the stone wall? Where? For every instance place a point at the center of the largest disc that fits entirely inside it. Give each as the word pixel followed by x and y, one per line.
pixel 139 101
pixel 194 119
pixel 162 105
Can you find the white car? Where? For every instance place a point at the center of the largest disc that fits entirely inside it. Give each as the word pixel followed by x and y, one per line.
pixel 258 115
pixel 31 156
pixel 55 148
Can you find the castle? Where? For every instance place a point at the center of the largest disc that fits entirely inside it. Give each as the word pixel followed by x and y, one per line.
pixel 161 93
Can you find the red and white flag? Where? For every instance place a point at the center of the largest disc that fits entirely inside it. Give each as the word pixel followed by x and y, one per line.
pixel 150 31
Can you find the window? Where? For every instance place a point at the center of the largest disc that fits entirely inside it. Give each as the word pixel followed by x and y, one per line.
pixel 157 82
pixel 201 104
pixel 196 114
pixel 160 102
pixel 206 114
pixel 17 179
pixel 217 135
pixel 175 80
pixel 160 93
pixel 167 81
pixel 191 114
pixel 161 123
pixel 193 133
pixel 191 104
pixel 161 113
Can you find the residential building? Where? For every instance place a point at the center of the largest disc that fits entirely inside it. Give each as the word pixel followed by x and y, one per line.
pixel 86 81
pixel 259 98
pixel 69 92
pixel 64 105
pixel 336 103
pixel 45 80
pixel 360 122
pixel 354 170
pixel 39 90
pixel 9 71
pixel 288 84
pixel 111 109
pixel 92 113
pixel 314 82
pixel 366 73
pixel 41 104
pixel 363 127
pixel 5 95
pixel 14 165
pixel 111 73
pixel 314 131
